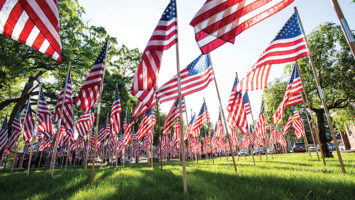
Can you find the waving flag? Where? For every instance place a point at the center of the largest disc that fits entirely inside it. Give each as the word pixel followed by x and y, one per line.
pixel 189 128
pixel 195 77
pixel 177 137
pixel 15 132
pixel 29 124
pixel 288 125
pixel 172 116
pixel 127 127
pixel 202 118
pixel 219 127
pixel 163 37
pixel 220 21
pixel 3 134
pixel 45 143
pixel 289 45
pixel 90 91
pixel 115 113
pixel 44 117
pixel 260 128
pixel 68 113
pixel 34 23
pixel 85 123
pixel 247 107
pixel 298 124
pixel 292 96
pixel 147 123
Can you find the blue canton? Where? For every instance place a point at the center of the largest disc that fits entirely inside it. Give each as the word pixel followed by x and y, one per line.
pixel 169 12
pixel 200 64
pixel 102 55
pixel 295 74
pixel 290 29
pixel 245 98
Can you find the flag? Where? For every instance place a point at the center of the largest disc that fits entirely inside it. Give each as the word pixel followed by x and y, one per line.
pixel 219 127
pixel 289 45
pixel 163 37
pixel 298 124
pixel 142 108
pixel 292 96
pixel 115 113
pixel 288 125
pixel 85 123
pixel 34 23
pixel 3 134
pixel 45 143
pixel 247 107
pixel 173 114
pixel 202 118
pixel 15 132
pixel 177 137
pixel 68 113
pixel 89 93
pixel 44 117
pixel 190 127
pixel 127 127
pixel 236 111
pixel 220 21
pixel 260 128
pixel 29 124
pixel 195 77
pixel 147 123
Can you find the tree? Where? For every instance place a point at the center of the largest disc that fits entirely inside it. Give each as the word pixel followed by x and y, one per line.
pixel 335 69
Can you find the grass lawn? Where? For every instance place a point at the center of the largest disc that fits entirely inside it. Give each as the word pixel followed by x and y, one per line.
pixel 289 176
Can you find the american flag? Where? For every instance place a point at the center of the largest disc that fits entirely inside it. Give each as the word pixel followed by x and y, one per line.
pixel 26 148
pixel 147 124
pixel 44 117
pixel 85 123
pixel 146 142
pixel 79 143
pixel 220 21
pixel 202 118
pixel 236 111
pixel 246 141
pixel 298 125
pixel 252 139
pixel 247 107
pixel 176 137
pixel 289 45
pixel 135 142
pixel 172 116
pixel 29 124
pixel 288 125
pixel 195 77
pixel 219 127
pixel 90 91
pixel 34 23
pixel 68 113
pixel 15 132
pixel 142 108
pixel 45 143
pixel 115 113
pixel 163 37
pixel 260 128
pixel 292 96
pixel 108 129
pixel 127 127
pixel 190 127
pixel 102 135
pixel 3 134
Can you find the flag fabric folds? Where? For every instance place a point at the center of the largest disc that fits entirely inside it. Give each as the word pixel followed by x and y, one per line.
pixel 147 123
pixel 33 23
pixel 172 116
pixel 247 107
pixel 89 93
pixel 260 128
pixel 195 77
pixel 115 113
pixel 292 96
pixel 202 118
pixel 163 37
pixel 127 127
pixel 29 124
pixel 289 45
pixel 85 123
pixel 15 132
pixel 45 126
pixel 288 125
pixel 220 21
pixel 298 125
pixel 3 134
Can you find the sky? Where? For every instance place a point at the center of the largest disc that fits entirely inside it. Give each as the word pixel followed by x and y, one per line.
pixel 133 21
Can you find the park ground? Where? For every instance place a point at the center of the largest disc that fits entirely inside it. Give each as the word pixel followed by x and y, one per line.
pixel 288 176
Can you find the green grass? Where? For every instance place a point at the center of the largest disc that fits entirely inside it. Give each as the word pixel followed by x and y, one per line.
pixel 290 176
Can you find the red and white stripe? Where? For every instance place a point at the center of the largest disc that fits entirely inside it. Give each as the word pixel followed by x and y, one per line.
pixel 220 21
pixel 255 79
pixel 236 114
pixel 115 114
pixel 44 118
pixel 68 113
pixel 172 116
pixel 146 126
pixel 288 125
pixel 29 125
pixel 15 132
pixel 85 123
pixel 3 135
pixel 34 23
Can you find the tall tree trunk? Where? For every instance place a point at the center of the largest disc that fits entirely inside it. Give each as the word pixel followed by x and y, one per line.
pixel 322 134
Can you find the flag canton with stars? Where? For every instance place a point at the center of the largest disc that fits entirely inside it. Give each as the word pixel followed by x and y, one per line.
pixel 148 113
pixel 245 98
pixel 170 12
pixel 203 109
pixel 41 96
pixel 295 75
pixel 200 64
pixel 235 83
pixel 290 29
pixel 4 125
pixel 116 98
pixel 193 120
pixel 262 108
pixel 102 55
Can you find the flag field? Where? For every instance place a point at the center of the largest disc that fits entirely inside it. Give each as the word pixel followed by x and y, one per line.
pixel 287 176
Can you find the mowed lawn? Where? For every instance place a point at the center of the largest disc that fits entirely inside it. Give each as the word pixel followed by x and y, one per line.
pixel 288 176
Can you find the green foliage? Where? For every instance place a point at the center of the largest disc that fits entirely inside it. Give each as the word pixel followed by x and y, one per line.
pixel 288 176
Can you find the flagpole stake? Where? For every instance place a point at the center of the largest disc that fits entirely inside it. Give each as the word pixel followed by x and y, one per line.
pixel 325 107
pixel 158 122
pixel 224 118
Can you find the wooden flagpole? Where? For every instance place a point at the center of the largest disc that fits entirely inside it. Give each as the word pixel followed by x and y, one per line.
pixel 54 154
pixel 34 130
pixel 344 24
pixel 98 114
pixel 87 147
pixel 151 149
pixel 224 118
pixel 180 109
pixel 209 128
pixel 189 141
pixel 325 107
pixel 116 141
pixel 160 146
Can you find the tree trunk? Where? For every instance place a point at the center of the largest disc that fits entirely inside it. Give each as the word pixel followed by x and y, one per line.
pixel 322 134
